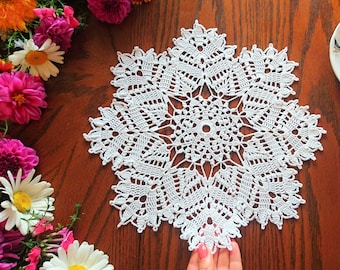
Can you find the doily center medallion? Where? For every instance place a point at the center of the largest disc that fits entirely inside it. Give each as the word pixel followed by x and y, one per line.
pixel 205 140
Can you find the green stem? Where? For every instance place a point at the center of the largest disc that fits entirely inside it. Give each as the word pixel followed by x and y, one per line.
pixel 4 129
pixel 75 216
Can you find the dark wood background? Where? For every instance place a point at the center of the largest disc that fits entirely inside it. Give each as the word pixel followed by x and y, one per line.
pixel 304 26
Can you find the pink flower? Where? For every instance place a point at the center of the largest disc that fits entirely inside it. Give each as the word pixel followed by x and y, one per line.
pixel 62 238
pixel 42 226
pixel 44 12
pixel 10 246
pixel 21 97
pixel 33 258
pixel 57 29
pixel 110 11
pixel 14 155
pixel 68 14
pixel 68 238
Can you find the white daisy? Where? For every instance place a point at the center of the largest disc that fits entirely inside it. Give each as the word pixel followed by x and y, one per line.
pixel 38 61
pixel 79 257
pixel 29 201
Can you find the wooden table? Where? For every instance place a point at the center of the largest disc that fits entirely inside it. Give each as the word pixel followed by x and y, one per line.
pixel 305 27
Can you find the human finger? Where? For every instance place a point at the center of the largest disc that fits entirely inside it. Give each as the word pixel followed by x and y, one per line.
pixel 206 261
pixel 223 259
pixel 235 260
pixel 193 261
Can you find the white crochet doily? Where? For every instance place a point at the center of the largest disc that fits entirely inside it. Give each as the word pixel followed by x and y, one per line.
pixel 203 139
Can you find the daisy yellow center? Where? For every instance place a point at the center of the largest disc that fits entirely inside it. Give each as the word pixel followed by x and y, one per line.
pixel 36 58
pixel 22 201
pixel 19 98
pixel 77 267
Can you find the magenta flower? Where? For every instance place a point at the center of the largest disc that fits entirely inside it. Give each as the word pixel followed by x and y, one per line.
pixel 33 258
pixel 14 155
pixel 42 226
pixel 21 97
pixel 10 246
pixel 110 11
pixel 44 12
pixel 68 14
pixel 62 238
pixel 67 239
pixel 58 29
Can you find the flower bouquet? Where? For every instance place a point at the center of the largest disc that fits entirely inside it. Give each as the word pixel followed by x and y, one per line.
pixel 35 35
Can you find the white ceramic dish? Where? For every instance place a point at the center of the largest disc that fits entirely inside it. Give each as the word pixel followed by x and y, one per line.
pixel 334 52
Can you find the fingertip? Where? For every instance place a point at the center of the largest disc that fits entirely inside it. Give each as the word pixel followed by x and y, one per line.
pixel 202 251
pixel 223 258
pixel 235 256
pixel 234 244
pixel 206 259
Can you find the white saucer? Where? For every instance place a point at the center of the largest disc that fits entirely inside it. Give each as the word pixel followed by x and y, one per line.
pixel 334 53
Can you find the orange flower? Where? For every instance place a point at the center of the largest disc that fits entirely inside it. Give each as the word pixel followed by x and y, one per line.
pixel 14 14
pixel 5 66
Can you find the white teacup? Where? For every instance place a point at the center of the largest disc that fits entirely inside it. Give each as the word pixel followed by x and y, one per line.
pixel 334 51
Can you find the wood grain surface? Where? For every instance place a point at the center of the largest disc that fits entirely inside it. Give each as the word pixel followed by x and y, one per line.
pixel 83 85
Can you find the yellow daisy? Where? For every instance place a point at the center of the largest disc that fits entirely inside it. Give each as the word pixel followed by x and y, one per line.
pixel 38 61
pixel 29 201
pixel 14 14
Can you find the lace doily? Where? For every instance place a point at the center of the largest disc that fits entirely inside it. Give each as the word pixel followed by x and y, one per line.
pixel 205 140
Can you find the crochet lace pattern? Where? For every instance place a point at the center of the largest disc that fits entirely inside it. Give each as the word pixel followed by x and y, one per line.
pixel 203 139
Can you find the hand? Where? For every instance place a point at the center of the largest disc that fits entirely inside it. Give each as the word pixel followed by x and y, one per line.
pixel 223 259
